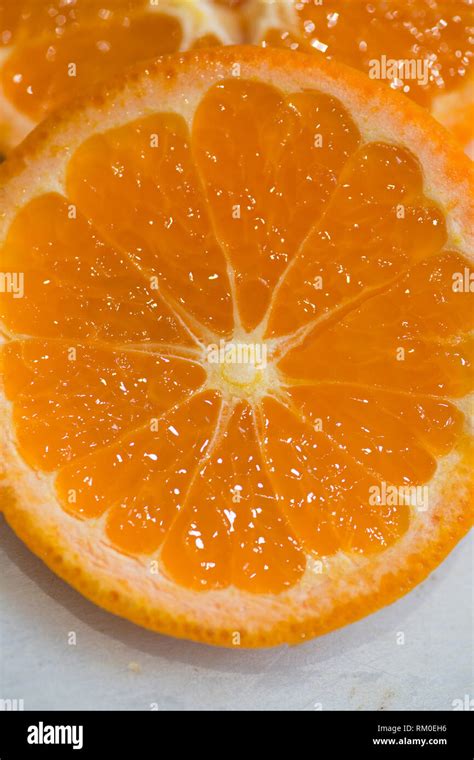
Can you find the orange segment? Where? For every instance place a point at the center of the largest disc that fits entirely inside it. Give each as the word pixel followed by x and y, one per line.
pixel 251 422
pixel 161 457
pixel 322 490
pixel 64 411
pixel 231 530
pixel 40 75
pixel 384 432
pixel 75 285
pixel 379 208
pixel 138 184
pixel 413 337
pixel 249 174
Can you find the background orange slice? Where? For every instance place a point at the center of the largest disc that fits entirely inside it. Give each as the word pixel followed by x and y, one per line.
pixel 437 33
pixel 52 51
pixel 238 198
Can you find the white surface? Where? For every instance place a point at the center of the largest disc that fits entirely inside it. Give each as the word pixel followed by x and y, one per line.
pixel 116 665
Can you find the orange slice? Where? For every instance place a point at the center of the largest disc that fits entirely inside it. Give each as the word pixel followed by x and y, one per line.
pixel 237 345
pixel 51 51
pixel 430 41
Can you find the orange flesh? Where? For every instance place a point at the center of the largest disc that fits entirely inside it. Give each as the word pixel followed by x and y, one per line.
pixel 335 261
pixel 61 50
pixel 355 32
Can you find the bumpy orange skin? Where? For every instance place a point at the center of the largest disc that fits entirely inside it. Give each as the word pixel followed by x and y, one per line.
pixel 347 592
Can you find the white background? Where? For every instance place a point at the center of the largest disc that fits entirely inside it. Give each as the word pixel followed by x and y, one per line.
pixel 116 665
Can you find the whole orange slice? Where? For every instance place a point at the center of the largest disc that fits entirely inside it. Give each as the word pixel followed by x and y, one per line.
pixel 51 50
pixel 237 348
pixel 423 48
